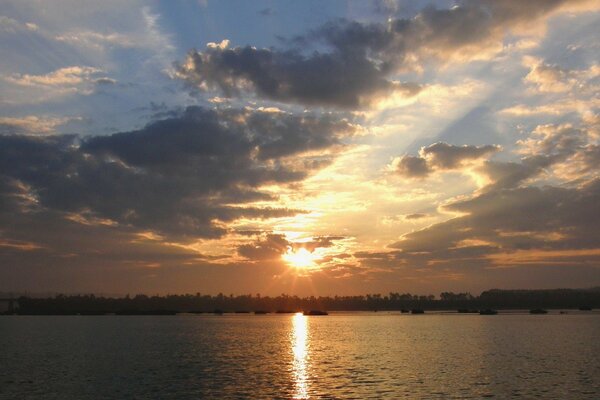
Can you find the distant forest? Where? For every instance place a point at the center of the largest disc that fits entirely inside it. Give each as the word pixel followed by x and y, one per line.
pixel 143 304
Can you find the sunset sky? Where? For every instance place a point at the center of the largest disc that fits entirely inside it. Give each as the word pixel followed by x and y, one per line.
pixel 301 147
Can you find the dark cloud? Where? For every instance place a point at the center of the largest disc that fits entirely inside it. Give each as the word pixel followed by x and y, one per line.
pixel 501 222
pixel 512 174
pixel 270 248
pixel 273 246
pixel 266 12
pixel 177 176
pixel 351 62
pixel 520 218
pixel 548 146
pixel 446 156
pixel 413 167
pixel 11 129
pixel 415 216
pixel 440 156
pixel 345 80
pixel 514 220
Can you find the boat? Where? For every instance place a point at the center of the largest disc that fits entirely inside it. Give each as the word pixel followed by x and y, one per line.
pixel 316 312
pixel 417 311
pixel 585 308
pixel 404 311
pixel 146 312
pixel 488 311
pixel 467 311
pixel 538 311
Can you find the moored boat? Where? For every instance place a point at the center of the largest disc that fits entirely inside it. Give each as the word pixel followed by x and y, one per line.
pixel 316 312
pixel 488 311
pixel 538 311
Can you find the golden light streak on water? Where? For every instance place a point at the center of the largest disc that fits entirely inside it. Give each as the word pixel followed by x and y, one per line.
pixel 300 345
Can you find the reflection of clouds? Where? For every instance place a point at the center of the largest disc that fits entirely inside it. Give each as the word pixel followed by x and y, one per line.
pixel 299 339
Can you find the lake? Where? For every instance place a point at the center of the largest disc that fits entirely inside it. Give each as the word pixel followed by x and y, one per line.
pixel 343 355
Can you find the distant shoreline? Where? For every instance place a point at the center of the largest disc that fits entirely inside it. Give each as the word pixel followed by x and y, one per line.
pixel 495 299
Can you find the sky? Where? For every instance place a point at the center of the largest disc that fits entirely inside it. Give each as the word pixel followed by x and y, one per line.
pixel 309 148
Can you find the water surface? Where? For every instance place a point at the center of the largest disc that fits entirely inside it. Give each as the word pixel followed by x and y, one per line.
pixel 352 355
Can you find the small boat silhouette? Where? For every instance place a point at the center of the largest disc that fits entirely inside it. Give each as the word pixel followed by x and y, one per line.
pixel 538 311
pixel 488 311
pixel 316 312
pixel 417 311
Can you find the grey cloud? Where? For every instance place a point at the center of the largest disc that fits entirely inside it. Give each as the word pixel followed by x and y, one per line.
pixel 273 246
pixel 415 216
pixel 358 59
pixel 558 226
pixel 506 220
pixel 446 156
pixel 175 176
pixel 440 156
pixel 318 241
pixel 345 80
pixel 548 146
pixel 266 12
pixel 591 158
pixel 507 216
pixel 413 167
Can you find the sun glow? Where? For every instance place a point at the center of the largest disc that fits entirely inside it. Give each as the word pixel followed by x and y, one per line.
pixel 300 258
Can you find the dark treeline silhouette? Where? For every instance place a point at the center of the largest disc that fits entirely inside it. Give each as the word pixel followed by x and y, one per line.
pixel 169 304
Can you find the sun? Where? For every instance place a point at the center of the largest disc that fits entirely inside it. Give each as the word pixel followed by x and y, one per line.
pixel 300 258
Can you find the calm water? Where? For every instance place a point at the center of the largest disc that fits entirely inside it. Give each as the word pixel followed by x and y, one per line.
pixel 360 355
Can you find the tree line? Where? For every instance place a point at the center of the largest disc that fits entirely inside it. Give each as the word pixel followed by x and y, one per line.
pixel 140 304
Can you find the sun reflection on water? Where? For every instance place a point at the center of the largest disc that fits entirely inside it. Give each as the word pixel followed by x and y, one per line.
pixel 299 339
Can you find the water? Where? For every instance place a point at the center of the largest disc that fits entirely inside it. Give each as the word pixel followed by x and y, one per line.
pixel 354 355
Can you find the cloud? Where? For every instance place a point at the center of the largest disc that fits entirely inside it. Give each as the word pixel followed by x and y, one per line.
pixel 97 40
pixel 519 218
pixel 29 88
pixel 446 156
pixel 273 246
pixel 551 78
pixel 504 228
pixel 539 210
pixel 411 166
pixel 68 76
pixel 266 12
pixel 351 62
pixel 342 80
pixel 183 176
pixel 12 26
pixel 415 216
pixel 440 157
pixel 31 124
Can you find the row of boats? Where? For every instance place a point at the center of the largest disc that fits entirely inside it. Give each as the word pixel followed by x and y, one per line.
pixel 486 311
pixel 262 312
